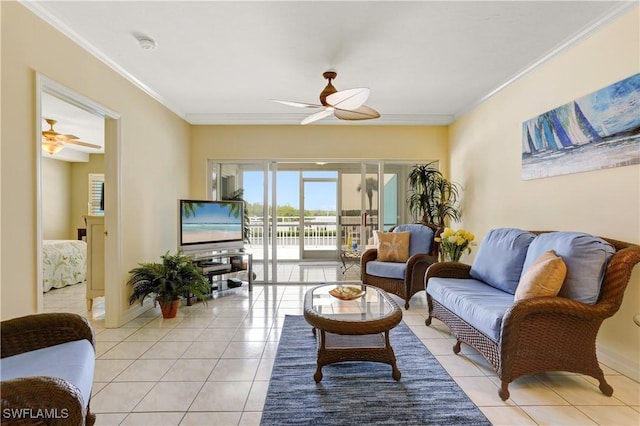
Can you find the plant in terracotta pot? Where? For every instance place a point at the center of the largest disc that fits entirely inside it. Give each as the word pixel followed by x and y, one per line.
pixel 432 195
pixel 176 276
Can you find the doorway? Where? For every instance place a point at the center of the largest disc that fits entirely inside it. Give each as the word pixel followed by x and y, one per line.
pixel 48 89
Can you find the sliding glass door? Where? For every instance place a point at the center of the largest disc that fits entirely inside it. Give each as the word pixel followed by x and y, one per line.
pixel 318 240
pixel 300 212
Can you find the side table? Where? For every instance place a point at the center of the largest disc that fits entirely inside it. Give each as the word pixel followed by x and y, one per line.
pixel 350 258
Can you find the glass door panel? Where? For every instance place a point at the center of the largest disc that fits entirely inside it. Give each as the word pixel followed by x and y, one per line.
pixel 318 215
pixel 371 185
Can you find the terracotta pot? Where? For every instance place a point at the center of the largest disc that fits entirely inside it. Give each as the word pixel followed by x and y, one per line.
pixel 169 308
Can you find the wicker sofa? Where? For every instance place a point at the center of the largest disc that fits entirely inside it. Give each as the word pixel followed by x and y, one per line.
pixel 404 279
pixel 538 334
pixel 47 365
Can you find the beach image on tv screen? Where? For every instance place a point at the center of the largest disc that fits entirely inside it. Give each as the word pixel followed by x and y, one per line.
pixel 211 222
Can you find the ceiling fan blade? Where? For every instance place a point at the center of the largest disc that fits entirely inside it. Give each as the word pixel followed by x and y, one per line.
pixel 297 104
pixel 361 113
pixel 348 99
pixel 66 138
pixel 85 144
pixel 317 116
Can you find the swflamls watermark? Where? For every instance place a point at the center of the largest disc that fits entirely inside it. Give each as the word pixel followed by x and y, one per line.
pixel 35 413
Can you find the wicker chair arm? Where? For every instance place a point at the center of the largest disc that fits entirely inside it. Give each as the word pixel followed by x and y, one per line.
pixel 369 255
pixel 41 401
pixel 38 331
pixel 448 270
pixel 420 258
pixel 552 305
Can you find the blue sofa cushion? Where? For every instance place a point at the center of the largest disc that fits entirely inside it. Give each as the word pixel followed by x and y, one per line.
pixel 477 303
pixel 421 237
pixel 394 270
pixel 71 361
pixel 586 258
pixel 500 258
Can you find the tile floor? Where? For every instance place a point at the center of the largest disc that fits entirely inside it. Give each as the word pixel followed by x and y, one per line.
pixel 211 365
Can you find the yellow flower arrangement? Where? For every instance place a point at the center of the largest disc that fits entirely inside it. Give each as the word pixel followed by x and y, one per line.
pixel 454 243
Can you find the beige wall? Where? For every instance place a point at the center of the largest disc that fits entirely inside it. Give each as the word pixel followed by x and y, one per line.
pixel 65 195
pixel 80 189
pixel 486 159
pixel 153 157
pixel 56 199
pixel 314 143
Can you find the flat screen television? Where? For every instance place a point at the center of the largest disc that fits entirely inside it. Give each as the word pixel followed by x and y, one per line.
pixel 207 225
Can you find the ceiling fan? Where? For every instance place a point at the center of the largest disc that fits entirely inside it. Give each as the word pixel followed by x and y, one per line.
pixel 53 142
pixel 344 104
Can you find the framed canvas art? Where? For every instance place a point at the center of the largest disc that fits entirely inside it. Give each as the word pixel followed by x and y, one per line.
pixel 597 131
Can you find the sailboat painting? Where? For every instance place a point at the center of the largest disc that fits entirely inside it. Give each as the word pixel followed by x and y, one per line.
pixel 597 131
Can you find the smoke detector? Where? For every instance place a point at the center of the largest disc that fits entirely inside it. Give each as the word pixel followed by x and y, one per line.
pixel 147 43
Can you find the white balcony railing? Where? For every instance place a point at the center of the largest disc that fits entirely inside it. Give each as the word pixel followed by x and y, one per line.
pixel 319 231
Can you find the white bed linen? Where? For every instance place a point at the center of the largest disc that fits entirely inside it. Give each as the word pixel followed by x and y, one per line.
pixel 64 263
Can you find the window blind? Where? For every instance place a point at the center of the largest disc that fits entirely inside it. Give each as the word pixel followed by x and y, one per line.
pixel 96 194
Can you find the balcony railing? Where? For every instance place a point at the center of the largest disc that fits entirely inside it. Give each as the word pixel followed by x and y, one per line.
pixel 319 231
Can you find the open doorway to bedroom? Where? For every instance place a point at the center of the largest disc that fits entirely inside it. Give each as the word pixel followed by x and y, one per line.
pixel 73 173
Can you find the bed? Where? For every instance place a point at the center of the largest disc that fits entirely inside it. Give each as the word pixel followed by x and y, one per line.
pixel 64 263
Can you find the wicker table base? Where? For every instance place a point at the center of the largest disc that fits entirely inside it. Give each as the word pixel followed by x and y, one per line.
pixel 356 330
pixel 334 348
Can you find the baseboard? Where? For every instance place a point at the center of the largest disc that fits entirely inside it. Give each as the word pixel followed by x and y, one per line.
pixel 626 366
pixel 133 312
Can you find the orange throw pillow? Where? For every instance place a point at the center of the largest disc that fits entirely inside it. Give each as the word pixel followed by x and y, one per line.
pixel 393 246
pixel 544 277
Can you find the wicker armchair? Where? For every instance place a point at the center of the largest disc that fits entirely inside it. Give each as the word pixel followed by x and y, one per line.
pixel 50 394
pixel 545 333
pixel 413 281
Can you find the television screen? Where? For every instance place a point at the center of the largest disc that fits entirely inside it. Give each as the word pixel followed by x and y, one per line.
pixel 206 224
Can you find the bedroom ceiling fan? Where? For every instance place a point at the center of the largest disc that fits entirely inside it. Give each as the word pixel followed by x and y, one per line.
pixel 53 142
pixel 344 104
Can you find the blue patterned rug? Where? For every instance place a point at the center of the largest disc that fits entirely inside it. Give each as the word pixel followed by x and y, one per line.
pixel 362 393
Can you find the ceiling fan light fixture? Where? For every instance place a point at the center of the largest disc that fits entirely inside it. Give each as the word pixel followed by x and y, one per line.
pixel 51 145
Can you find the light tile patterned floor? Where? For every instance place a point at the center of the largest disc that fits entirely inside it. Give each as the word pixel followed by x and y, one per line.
pixel 211 365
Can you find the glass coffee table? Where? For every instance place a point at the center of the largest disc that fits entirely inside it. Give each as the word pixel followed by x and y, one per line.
pixel 352 330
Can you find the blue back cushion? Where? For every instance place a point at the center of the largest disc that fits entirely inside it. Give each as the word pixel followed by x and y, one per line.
pixel 586 258
pixel 421 237
pixel 500 258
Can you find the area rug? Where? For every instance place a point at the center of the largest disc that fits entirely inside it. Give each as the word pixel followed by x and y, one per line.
pixel 362 393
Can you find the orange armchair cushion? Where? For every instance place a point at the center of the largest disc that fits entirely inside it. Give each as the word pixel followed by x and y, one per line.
pixel 393 246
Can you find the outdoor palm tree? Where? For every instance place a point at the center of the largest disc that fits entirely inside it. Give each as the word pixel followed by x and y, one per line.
pixel 371 184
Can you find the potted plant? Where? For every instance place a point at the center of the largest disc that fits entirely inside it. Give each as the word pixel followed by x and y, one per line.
pixel 432 195
pixel 176 276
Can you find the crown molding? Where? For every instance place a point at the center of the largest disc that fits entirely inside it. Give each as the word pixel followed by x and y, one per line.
pixel 579 36
pixel 295 119
pixel 47 17
pixel 283 119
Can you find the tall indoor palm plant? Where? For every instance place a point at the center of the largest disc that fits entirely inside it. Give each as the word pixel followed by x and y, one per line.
pixel 432 196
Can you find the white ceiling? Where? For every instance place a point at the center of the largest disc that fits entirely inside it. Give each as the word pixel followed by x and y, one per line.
pixel 426 62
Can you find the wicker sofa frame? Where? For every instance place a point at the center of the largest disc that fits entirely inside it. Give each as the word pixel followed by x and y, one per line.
pixel 39 331
pixel 545 333
pixel 414 277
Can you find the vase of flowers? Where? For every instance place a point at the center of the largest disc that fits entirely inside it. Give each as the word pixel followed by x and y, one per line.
pixel 454 243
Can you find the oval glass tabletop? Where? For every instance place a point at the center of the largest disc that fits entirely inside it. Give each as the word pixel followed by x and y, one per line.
pixel 330 301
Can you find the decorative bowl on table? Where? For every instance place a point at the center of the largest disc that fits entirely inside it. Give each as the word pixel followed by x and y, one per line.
pixel 345 292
